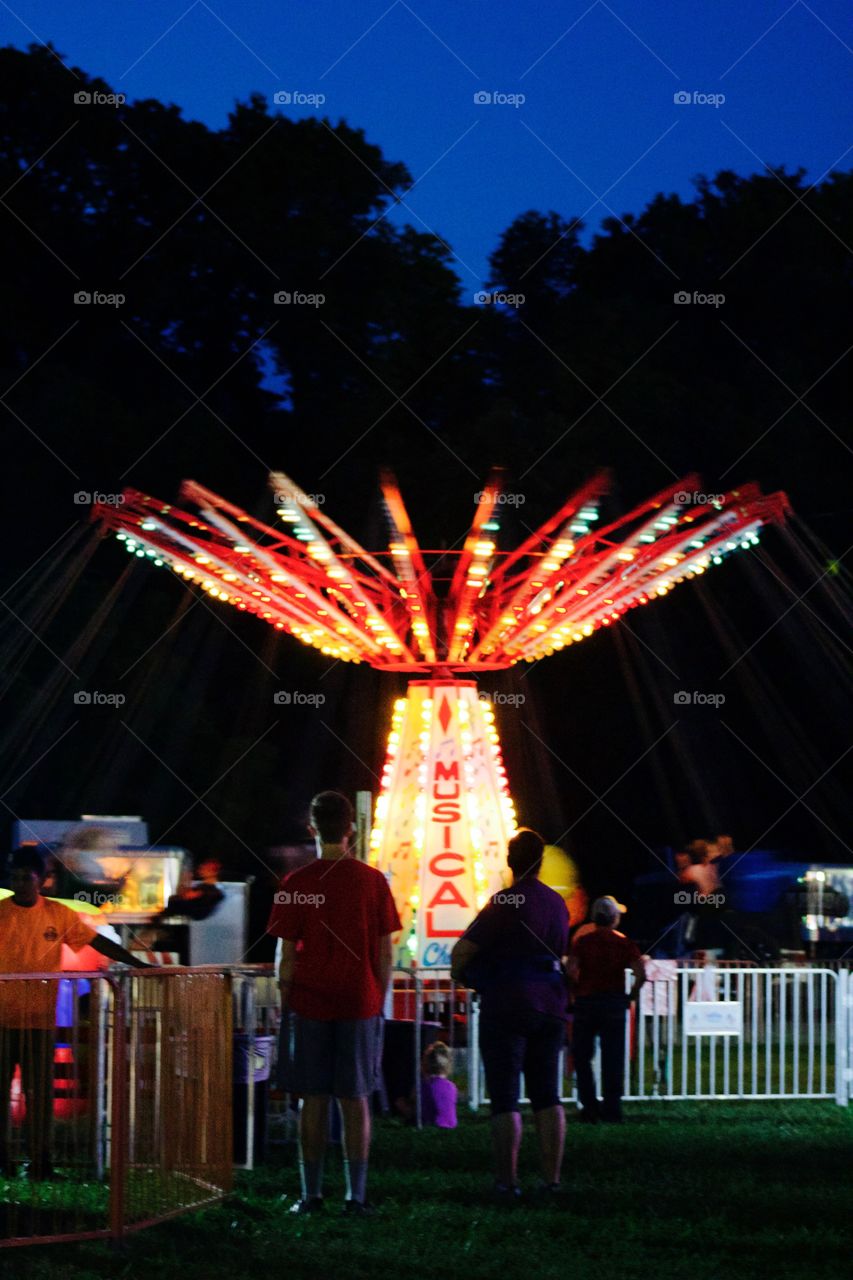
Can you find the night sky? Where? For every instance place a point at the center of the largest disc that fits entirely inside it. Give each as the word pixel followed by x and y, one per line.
pixel 598 131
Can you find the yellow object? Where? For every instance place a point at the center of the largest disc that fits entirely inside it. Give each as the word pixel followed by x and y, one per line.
pixel 559 871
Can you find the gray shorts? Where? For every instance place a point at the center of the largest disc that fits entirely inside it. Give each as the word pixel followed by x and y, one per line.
pixel 339 1058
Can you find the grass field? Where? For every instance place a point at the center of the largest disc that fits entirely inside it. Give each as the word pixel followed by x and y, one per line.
pixel 682 1191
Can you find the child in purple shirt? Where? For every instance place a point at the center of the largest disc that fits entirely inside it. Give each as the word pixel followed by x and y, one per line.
pixel 438 1092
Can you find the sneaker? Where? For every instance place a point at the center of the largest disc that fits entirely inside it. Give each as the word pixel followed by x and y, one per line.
pixel 359 1209
pixel 504 1195
pixel 315 1204
pixel 550 1193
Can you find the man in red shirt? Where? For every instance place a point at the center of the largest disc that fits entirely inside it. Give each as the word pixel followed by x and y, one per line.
pixel 600 955
pixel 335 917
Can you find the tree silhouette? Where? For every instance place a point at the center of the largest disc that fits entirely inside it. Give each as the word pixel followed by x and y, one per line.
pixel 201 372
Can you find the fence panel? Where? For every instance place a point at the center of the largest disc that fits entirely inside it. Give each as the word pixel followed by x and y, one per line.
pixel 55 1045
pixel 844 1039
pixel 116 1100
pixel 726 1032
pixel 734 1033
pixel 176 1082
pixel 256 1019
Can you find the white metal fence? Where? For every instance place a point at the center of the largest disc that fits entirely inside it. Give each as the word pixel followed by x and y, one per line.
pixel 704 1033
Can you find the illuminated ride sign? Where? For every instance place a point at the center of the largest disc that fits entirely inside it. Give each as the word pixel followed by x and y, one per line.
pixel 444 814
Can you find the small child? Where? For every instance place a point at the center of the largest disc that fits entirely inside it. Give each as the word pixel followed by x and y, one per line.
pixel 438 1092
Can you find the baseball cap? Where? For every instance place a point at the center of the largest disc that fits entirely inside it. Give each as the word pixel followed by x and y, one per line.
pixel 607 908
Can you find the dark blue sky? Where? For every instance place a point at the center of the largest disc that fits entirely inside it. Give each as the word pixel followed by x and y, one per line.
pixel 598 78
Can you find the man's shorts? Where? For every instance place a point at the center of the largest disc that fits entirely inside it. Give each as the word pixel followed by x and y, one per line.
pixel 339 1058
pixel 528 1042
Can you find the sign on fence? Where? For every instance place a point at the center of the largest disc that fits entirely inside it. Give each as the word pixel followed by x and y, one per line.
pixel 713 1018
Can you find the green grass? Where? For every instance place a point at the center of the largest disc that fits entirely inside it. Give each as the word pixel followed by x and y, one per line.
pixel 782 1079
pixel 682 1191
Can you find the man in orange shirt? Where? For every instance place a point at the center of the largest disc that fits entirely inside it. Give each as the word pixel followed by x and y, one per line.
pixel 32 931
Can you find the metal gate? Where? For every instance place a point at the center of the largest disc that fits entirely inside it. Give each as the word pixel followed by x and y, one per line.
pixel 705 1033
pixel 118 1107
pixel 725 1032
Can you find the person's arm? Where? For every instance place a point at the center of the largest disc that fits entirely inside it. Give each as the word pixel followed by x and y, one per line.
pixel 113 951
pixel 386 962
pixel 199 904
pixel 481 935
pixel 461 956
pixel 285 970
pixel 639 970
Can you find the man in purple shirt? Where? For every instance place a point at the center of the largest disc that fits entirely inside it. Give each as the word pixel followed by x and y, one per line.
pixel 513 953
